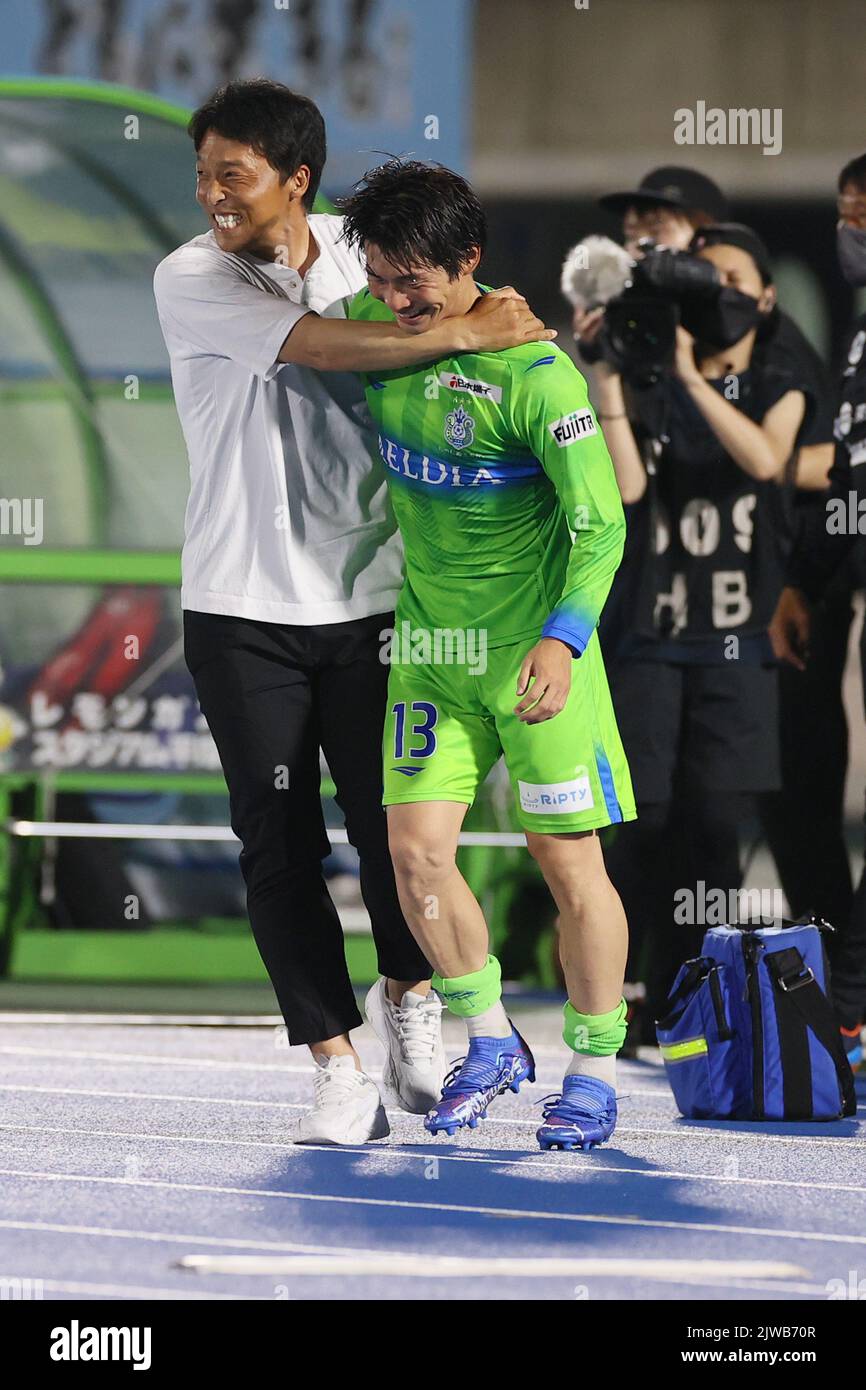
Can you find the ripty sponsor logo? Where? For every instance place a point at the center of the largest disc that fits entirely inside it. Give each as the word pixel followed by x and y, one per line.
pixel 557 798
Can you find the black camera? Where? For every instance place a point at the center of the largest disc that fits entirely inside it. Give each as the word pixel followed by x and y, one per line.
pixel 639 334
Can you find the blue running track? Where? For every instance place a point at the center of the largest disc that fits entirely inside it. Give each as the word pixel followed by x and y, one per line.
pixel 155 1161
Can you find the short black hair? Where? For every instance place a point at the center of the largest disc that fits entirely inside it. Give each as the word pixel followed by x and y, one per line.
pixel 285 128
pixel 417 214
pixel 854 172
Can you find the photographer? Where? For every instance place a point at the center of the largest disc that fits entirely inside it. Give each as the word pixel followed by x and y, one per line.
pixel 695 685
pixel 668 206
pixel 830 540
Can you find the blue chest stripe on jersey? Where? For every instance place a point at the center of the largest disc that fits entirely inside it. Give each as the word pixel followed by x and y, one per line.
pixel 541 362
pixel 415 467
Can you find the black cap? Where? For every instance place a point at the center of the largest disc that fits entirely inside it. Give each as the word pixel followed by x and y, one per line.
pixel 671 187
pixel 735 234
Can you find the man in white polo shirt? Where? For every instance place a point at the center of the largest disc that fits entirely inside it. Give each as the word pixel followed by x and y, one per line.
pixel 291 569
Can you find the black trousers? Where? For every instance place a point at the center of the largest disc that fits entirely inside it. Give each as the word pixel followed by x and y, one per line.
pixel 273 696
pixel 700 740
pixel 809 848
pixel 671 845
pixel 847 950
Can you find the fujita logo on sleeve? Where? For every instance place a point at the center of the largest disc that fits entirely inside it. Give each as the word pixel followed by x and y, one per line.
pixel 578 425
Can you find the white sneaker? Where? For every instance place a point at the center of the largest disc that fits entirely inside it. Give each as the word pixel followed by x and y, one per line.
pixel 411 1032
pixel 348 1108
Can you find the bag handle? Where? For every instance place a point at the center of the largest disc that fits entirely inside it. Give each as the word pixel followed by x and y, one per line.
pixel 696 970
pixel 807 920
pixel 797 981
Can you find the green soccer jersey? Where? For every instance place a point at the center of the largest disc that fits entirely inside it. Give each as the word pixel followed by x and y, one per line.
pixel 503 490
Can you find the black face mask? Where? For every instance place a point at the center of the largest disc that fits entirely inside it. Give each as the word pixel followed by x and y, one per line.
pixel 851 250
pixel 723 320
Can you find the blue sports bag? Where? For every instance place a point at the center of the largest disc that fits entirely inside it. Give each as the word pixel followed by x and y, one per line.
pixel 750 1033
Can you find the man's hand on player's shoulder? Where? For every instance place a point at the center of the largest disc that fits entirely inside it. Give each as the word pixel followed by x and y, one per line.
pixel 501 319
pixel 544 681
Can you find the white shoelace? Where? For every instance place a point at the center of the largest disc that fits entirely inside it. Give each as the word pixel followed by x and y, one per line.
pixel 418 1029
pixel 332 1087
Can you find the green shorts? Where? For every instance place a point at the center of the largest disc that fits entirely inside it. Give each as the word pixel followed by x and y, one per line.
pixel 446 726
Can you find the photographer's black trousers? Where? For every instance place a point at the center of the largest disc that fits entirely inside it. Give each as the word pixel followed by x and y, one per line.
pixel 273 696
pixel 847 949
pixel 809 850
pixel 700 742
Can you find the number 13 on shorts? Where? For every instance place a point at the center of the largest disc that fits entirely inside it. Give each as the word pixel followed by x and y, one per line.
pixel 422 721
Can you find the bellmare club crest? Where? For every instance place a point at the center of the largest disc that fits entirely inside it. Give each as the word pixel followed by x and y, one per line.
pixel 459 428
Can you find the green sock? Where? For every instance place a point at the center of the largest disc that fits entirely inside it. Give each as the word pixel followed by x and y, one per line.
pixel 466 995
pixel 595 1035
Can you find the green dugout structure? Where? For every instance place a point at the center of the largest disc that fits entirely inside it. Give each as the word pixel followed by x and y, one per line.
pixel 96 186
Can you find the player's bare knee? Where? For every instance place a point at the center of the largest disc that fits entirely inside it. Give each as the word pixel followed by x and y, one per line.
pixel 573 868
pixel 418 863
pixel 566 855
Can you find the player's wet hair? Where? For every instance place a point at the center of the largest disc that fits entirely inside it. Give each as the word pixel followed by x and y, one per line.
pixel 417 214
pixel 283 127
pixel 854 172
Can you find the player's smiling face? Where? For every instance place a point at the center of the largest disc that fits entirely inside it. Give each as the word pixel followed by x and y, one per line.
pixel 418 295
pixel 247 203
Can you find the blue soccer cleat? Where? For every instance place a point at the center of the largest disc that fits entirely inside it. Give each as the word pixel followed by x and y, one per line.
pixel 491 1066
pixel 583 1116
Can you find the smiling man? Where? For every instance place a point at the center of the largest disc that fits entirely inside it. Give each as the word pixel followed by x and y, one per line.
pixel 512 524
pixel 291 566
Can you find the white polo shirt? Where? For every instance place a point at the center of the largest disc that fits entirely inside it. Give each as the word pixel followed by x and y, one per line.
pixel 288 518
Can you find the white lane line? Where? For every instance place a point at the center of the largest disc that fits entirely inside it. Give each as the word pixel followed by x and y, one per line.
pixel 160 1058
pixel 155 1059
pixel 187 1063
pixel 723 1135
pixel 306 1069
pixel 462 1266
pixel 219 1100
pixel 131 1290
pixel 582 1218
pixel 578 1166
pixel 248 1021
pixel 302 1069
pixel 152 1020
pixel 291 1247
pixel 179 1238
pixel 755 1285
pixel 720 1134
pixel 154 1095
pixel 759 1286
pixel 164 1059
pixel 286 1247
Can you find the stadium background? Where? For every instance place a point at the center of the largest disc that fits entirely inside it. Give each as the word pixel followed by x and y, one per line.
pixel 545 106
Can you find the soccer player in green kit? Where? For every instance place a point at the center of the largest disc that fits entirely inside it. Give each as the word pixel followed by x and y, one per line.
pixel 512 528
